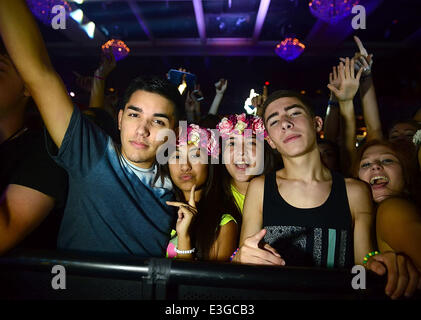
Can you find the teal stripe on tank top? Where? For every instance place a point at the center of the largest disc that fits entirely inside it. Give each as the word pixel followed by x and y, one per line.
pixel 331 248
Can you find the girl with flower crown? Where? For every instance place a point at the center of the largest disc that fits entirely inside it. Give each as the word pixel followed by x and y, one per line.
pixel 206 227
pixel 243 152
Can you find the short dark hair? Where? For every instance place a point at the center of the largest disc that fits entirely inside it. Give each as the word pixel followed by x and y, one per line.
pixel 285 94
pixel 155 85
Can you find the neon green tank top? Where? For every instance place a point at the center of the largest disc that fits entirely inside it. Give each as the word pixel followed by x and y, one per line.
pixel 238 197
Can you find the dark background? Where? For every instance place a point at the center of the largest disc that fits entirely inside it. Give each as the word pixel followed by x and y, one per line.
pixel 163 34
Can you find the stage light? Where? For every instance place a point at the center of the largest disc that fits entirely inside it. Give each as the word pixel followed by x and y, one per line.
pixel 42 9
pixel 332 11
pixel 118 47
pixel 72 94
pixel 89 29
pixel 289 49
pixel 77 15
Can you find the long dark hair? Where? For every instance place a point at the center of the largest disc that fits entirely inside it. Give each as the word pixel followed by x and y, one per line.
pixel 212 206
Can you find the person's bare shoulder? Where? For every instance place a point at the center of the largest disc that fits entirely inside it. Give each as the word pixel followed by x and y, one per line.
pixel 255 189
pixel 359 197
pixel 356 188
pixel 257 182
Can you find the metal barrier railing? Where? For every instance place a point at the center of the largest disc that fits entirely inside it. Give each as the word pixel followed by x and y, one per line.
pixel 29 275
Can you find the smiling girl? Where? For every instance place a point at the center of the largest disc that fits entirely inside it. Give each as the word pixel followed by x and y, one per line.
pixel 395 186
pixel 244 153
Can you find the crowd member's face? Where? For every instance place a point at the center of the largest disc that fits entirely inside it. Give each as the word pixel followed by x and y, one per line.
pixel 144 115
pixel 402 131
pixel 290 128
pixel 187 165
pixel 328 156
pixel 12 89
pixel 240 156
pixel 380 167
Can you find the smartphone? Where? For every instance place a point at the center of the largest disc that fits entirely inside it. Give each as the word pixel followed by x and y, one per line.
pixel 176 77
pixel 197 95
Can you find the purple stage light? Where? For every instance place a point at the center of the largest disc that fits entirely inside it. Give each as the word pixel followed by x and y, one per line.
pixel 118 47
pixel 332 11
pixel 289 49
pixel 42 9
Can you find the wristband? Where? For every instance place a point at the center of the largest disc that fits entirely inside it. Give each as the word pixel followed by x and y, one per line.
pixel 233 255
pixel 369 255
pixel 98 77
pixel 184 251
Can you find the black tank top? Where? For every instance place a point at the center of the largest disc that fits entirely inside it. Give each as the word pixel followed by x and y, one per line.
pixel 313 237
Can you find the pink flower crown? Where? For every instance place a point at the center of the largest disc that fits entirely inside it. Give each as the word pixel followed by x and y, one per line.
pixel 242 124
pixel 200 137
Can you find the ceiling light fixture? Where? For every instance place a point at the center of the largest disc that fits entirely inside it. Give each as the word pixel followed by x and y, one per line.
pixel 289 49
pixel 332 11
pixel 42 9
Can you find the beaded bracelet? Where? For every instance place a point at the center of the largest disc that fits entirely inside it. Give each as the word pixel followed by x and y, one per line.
pixel 369 255
pixel 184 251
pixel 233 255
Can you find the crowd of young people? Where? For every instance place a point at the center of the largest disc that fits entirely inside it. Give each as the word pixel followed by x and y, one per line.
pixel 256 189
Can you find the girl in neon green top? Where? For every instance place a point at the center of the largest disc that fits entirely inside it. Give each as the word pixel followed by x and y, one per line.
pixel 203 222
pixel 243 153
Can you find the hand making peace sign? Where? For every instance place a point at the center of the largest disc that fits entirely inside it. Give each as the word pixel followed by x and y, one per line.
pixel 186 213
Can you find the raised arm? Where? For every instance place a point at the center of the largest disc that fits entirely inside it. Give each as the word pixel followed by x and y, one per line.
pixel 370 107
pixel 332 118
pixel 220 88
pixel 26 48
pixel 349 83
pixel 368 93
pixel 108 64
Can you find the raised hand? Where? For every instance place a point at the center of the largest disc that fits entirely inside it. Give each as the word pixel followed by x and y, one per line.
pixel 107 64
pixel 186 214
pixel 251 252
pixel 349 81
pixel 362 59
pixel 221 86
pixel 334 78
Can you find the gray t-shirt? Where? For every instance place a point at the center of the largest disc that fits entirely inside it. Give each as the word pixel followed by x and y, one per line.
pixel 111 206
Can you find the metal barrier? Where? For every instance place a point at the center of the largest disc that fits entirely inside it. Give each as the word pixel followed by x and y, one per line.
pixel 28 275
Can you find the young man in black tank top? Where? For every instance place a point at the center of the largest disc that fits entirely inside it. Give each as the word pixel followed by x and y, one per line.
pixel 306 184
